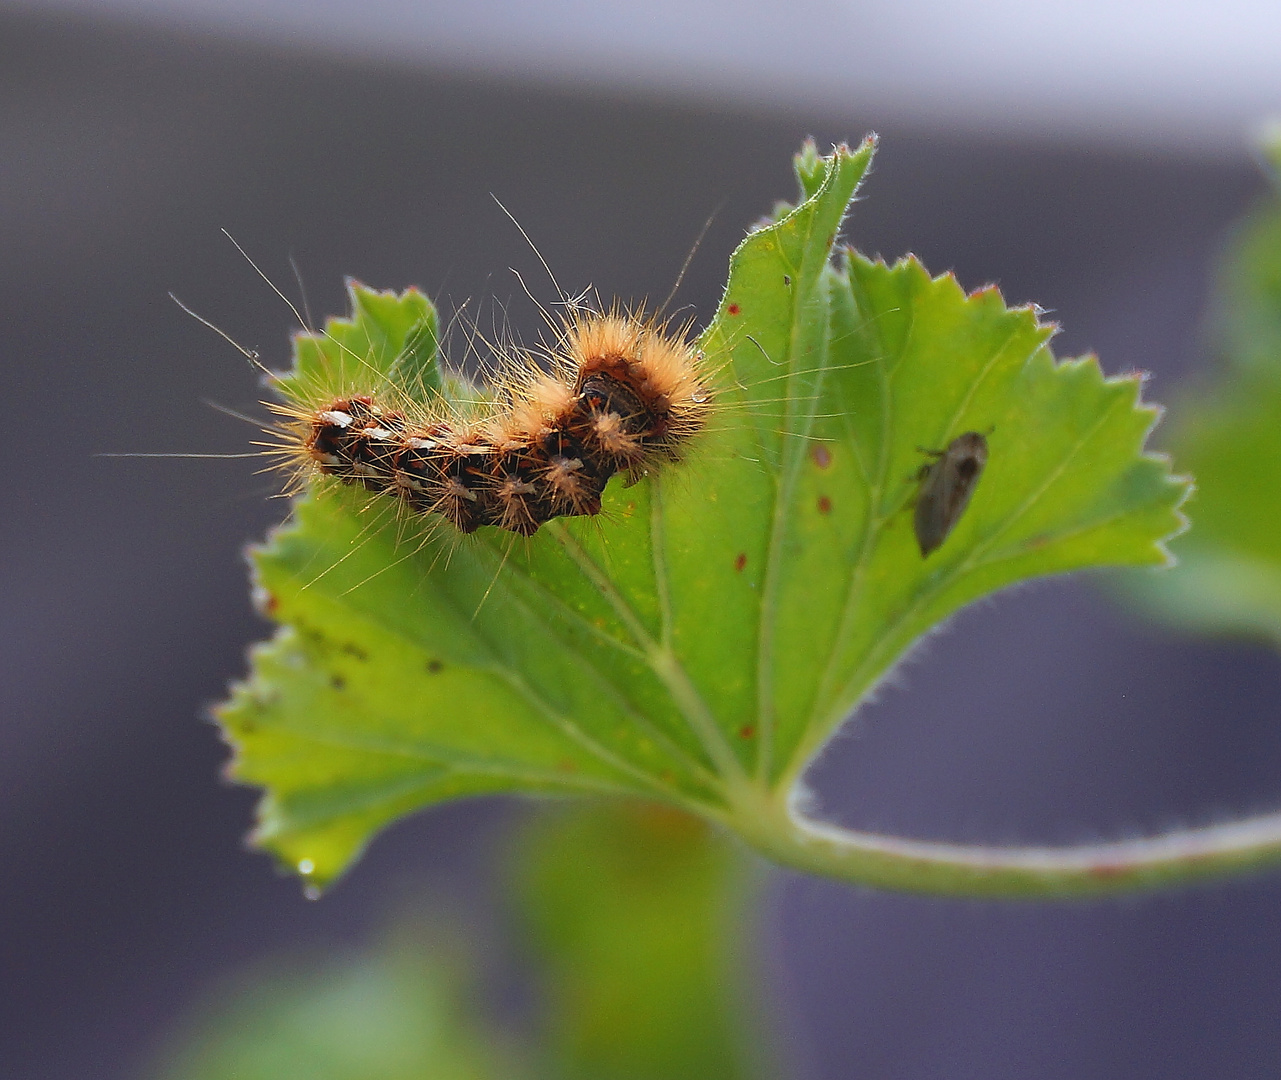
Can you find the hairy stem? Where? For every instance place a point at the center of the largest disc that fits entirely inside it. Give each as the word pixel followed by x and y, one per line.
pixel 778 829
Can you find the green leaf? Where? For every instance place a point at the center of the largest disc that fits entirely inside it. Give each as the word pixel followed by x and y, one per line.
pixel 1248 309
pixel 390 339
pixel 636 918
pixel 699 641
pixel 1229 575
pixel 399 1013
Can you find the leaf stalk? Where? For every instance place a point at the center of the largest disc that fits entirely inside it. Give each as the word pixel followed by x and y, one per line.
pixel 777 827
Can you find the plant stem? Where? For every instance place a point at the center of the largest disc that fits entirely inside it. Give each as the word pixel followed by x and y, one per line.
pixel 777 829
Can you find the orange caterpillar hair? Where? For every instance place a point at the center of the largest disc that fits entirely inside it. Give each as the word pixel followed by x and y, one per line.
pixel 623 394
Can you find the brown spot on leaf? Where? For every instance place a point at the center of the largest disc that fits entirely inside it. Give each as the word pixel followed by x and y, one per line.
pixel 824 504
pixel 747 731
pixel 434 667
pixel 733 309
pixel 822 456
pixel 740 561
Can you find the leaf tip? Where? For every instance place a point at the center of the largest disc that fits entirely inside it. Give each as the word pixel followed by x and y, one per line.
pixel 810 168
pixel 294 856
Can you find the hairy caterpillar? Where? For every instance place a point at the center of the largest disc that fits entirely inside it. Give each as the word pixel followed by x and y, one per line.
pixel 621 393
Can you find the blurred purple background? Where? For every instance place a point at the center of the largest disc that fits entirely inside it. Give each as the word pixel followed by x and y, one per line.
pixel 1048 714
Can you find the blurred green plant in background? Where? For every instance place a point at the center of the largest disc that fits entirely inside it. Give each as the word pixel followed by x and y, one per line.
pixel 636 918
pixel 1228 435
pixel 634 922
pixel 405 1010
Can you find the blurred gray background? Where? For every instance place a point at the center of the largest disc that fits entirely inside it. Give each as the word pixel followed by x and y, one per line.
pixel 1087 157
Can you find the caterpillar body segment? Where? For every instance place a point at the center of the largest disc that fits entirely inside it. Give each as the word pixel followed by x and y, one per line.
pixel 622 396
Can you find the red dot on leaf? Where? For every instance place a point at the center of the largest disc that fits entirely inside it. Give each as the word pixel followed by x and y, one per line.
pixel 740 561
pixel 734 309
pixel 824 504
pixel 746 731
